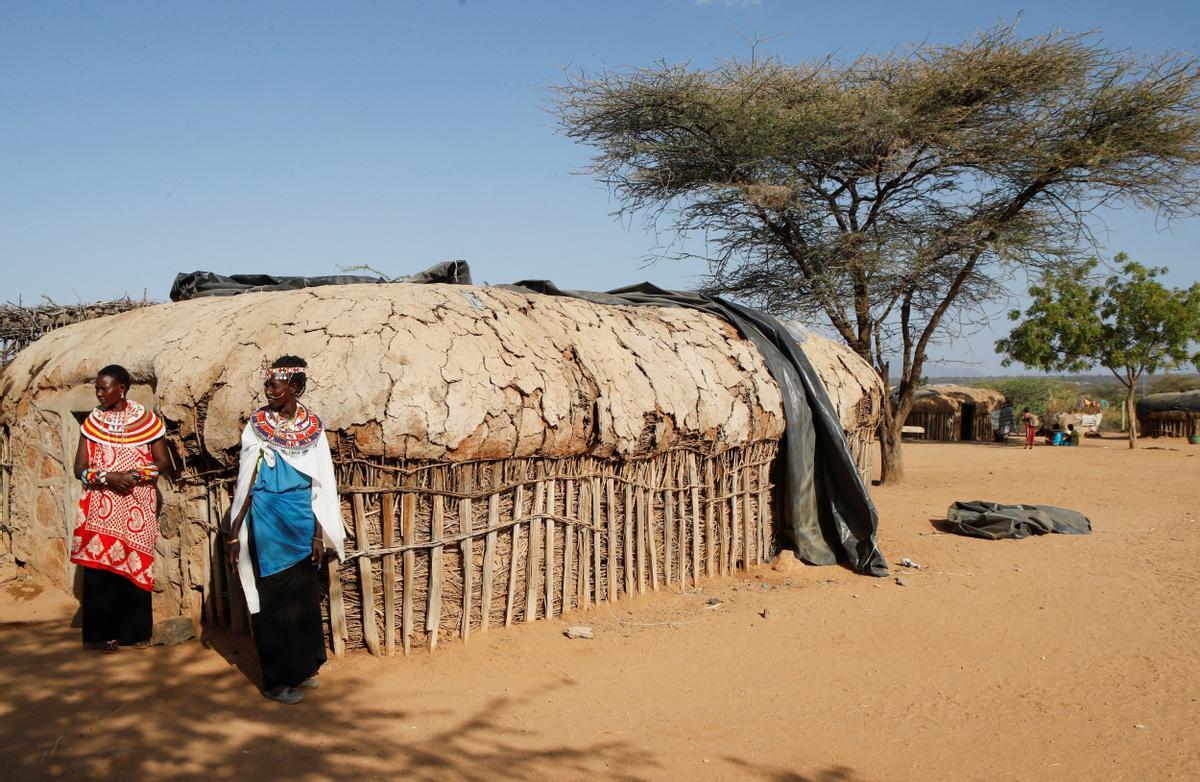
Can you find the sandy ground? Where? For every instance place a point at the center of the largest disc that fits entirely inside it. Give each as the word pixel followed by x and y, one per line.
pixel 1050 658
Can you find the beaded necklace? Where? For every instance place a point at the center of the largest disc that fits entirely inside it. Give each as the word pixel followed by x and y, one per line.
pixel 115 422
pixel 291 435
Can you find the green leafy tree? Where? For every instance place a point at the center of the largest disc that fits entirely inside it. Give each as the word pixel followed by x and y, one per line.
pixel 1131 324
pixel 1039 394
pixel 894 196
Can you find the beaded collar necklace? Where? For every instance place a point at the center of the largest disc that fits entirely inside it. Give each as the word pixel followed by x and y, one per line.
pixel 291 435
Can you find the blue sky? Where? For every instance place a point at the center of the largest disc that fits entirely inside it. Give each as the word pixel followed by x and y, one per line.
pixel 138 140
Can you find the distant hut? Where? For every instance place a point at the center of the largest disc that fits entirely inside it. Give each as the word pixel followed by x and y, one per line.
pixel 1169 414
pixel 502 456
pixel 954 413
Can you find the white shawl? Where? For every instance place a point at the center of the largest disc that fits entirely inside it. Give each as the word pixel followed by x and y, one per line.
pixel 315 462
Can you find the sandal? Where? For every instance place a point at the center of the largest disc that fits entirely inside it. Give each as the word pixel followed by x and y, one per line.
pixel 285 695
pixel 310 683
pixel 109 647
pixel 139 645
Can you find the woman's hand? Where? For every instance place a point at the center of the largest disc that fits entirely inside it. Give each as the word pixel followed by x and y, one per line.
pixel 232 550
pixel 318 551
pixel 120 482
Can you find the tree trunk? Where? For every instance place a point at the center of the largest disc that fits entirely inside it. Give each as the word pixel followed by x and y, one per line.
pixel 1131 414
pixel 891 457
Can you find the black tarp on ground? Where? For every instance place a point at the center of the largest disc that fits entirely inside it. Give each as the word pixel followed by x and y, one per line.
pixel 993 521
pixel 825 513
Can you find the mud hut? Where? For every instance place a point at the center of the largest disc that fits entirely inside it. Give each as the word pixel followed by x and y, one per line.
pixel 1169 414
pixel 954 413
pixel 854 388
pixel 502 456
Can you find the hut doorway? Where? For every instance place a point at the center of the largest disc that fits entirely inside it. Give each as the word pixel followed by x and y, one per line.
pixel 967 431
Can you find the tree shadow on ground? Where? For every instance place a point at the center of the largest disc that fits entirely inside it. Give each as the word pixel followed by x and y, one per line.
pixel 831 774
pixel 178 713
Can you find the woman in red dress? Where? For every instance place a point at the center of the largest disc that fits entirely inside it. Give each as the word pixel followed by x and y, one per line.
pixel 120 456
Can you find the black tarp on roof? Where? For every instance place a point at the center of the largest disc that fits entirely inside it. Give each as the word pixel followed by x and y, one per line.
pixel 1182 402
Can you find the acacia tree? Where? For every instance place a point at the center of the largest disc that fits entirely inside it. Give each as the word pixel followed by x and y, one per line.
pixel 892 196
pixel 1131 324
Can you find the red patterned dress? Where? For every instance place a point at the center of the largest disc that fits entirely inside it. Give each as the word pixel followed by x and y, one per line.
pixel 114 532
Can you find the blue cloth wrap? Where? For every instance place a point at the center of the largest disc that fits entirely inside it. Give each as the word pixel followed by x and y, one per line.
pixel 282 515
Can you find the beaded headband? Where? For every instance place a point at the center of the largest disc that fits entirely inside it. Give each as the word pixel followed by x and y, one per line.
pixel 267 371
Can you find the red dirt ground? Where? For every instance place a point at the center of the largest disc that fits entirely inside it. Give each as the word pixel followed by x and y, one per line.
pixel 1055 658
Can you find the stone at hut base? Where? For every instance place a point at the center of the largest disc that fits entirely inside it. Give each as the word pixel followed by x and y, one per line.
pixel 786 562
pixel 173 631
pixel 579 631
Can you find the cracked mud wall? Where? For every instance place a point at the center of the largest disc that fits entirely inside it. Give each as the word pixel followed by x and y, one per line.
pixel 433 371
pixel 429 372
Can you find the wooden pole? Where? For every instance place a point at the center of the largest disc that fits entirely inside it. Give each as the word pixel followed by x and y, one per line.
pixel 433 610
pixel 387 526
pixel 466 525
pixel 764 519
pixel 749 529
pixel 709 531
pixel 629 553
pixel 532 573
pixel 551 488
pixel 610 499
pixel 693 481
pixel 408 532
pixel 366 579
pixel 489 560
pixel 569 587
pixel 595 516
pixel 510 597
pixel 668 496
pixel 681 515
pixel 337 610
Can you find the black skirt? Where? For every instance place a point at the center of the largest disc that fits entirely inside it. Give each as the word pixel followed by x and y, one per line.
pixel 287 629
pixel 114 608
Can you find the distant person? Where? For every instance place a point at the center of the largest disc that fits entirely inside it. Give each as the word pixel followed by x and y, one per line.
pixel 289 512
pixel 1031 426
pixel 1074 435
pixel 120 456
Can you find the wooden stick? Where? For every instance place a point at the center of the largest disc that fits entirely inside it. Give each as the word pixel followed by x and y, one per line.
pixel 749 530
pixel 433 611
pixel 709 532
pixel 629 553
pixel 337 610
pixel 651 531
pixel 693 480
pixel 550 530
pixel 722 510
pixel 387 525
pixel 579 586
pixel 366 578
pixel 668 496
pixel 510 598
pixel 531 570
pixel 764 544
pixel 681 496
pixel 408 532
pixel 640 535
pixel 734 519
pixel 594 516
pixel 467 545
pixel 610 497
pixel 489 562
pixel 569 587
